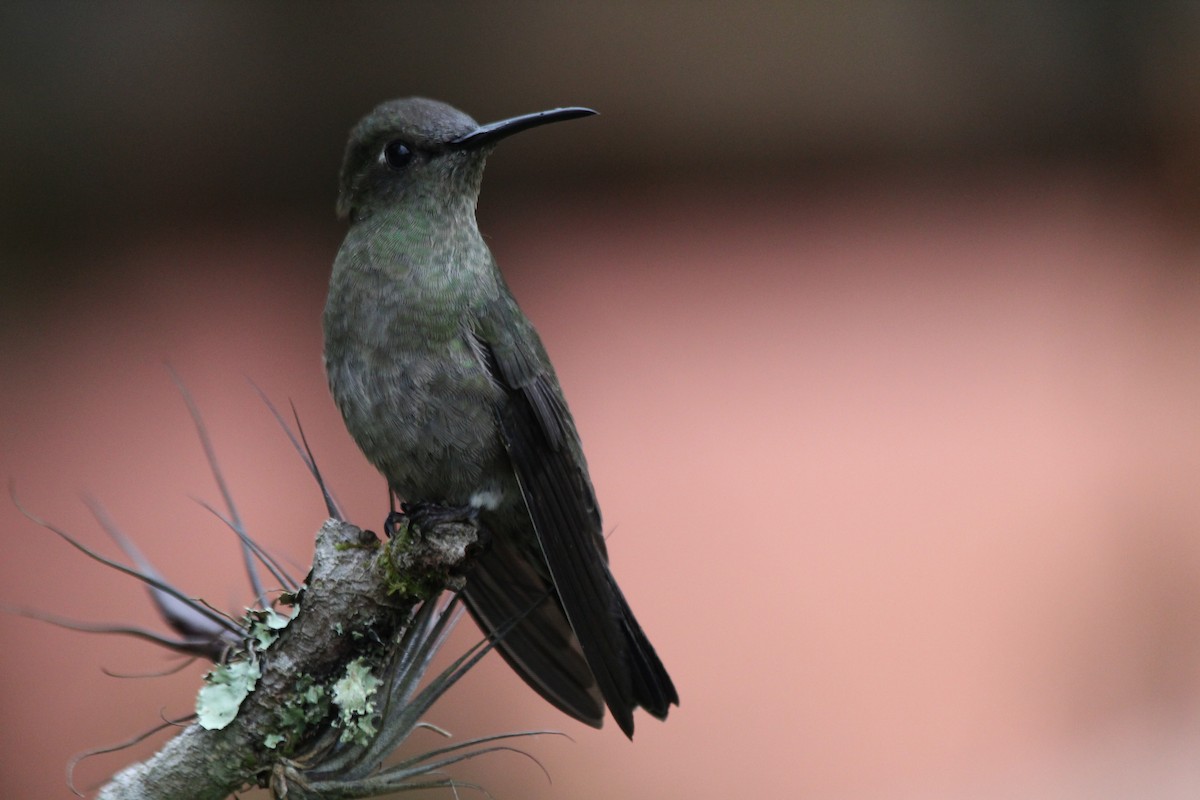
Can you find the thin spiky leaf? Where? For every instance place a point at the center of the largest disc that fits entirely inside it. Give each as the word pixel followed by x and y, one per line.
pixel 268 561
pixel 422 760
pixel 401 713
pixel 192 647
pixel 210 454
pixel 184 664
pixel 214 616
pixel 301 446
pixel 183 617
pixel 113 748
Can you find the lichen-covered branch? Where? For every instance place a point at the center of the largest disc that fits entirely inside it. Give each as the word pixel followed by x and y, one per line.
pixel 357 600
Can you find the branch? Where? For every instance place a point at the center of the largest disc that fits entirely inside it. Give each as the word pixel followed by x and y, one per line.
pixel 356 606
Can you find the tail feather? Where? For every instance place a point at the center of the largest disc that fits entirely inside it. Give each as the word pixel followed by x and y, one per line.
pixel 545 652
pixel 653 688
pixel 541 647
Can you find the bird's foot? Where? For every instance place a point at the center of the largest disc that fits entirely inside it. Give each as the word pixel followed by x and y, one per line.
pixel 425 517
pixel 394 518
pixel 428 515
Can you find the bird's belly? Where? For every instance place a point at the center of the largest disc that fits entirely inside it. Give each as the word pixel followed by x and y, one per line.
pixel 426 420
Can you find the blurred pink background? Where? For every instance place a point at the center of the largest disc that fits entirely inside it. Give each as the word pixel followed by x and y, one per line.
pixel 891 396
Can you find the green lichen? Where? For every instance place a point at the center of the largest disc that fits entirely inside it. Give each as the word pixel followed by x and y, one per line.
pixel 265 624
pixel 410 585
pixel 352 695
pixel 225 689
pixel 404 576
pixel 343 546
pixel 308 705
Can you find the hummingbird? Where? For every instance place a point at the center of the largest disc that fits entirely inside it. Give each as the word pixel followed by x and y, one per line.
pixel 447 389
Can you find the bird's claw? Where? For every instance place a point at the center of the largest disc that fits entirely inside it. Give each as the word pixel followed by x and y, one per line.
pixel 428 515
pixel 392 523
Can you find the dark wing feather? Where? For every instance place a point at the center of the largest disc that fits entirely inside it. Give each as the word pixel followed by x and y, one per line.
pixel 548 460
pixel 505 586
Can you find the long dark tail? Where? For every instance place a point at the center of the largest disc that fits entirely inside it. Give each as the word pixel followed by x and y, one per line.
pixel 653 689
pixel 544 651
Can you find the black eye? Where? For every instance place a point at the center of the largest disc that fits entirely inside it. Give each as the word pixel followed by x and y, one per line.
pixel 397 155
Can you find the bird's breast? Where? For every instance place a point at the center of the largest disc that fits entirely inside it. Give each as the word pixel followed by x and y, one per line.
pixel 415 395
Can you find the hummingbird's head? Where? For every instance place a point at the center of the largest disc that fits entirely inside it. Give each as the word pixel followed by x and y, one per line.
pixel 416 148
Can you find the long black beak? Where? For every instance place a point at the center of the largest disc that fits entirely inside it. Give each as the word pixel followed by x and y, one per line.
pixel 493 132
